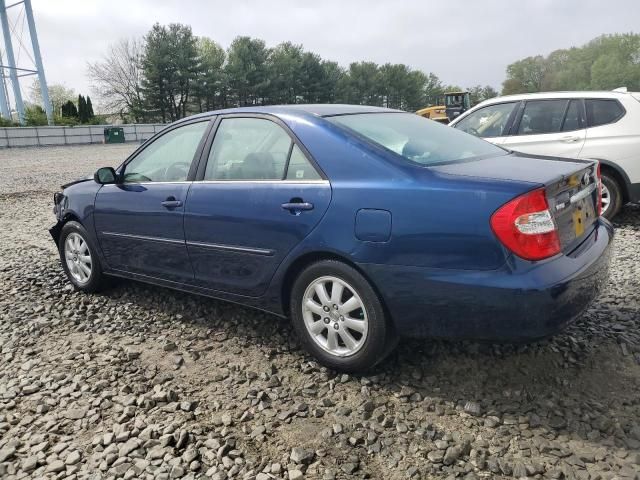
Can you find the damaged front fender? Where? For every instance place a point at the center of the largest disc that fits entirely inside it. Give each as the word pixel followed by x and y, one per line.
pixel 55 231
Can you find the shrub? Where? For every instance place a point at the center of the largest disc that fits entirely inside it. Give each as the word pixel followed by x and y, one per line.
pixel 8 123
pixel 34 116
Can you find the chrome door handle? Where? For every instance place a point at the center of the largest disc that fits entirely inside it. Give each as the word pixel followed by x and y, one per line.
pixel 171 202
pixel 297 206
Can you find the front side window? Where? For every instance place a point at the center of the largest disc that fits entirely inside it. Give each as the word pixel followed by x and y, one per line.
pixel 416 138
pixel 490 121
pixel 542 116
pixel 167 159
pixel 601 112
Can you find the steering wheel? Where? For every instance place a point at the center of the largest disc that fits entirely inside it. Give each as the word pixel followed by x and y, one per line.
pixel 176 170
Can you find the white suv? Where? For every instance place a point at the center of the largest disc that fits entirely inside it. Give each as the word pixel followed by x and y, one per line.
pixel 603 126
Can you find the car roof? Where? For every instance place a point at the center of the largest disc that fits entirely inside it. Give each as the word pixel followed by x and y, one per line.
pixel 319 110
pixel 551 95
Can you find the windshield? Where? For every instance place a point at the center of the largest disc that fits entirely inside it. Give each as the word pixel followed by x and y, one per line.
pixel 416 138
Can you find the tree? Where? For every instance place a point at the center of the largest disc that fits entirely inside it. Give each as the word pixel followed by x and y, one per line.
pixel 34 116
pixel 332 75
pixel 401 87
pixel 362 84
pixel 69 110
pixel 525 76
pixel 606 62
pixel 312 80
pixel 247 71
pixel 210 88
pixel 82 109
pixel 285 70
pixel 117 78
pixel 58 95
pixel 90 114
pixel 479 93
pixel 171 67
pixel 433 89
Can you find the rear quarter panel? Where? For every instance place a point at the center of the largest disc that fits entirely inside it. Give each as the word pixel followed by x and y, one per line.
pixel 618 142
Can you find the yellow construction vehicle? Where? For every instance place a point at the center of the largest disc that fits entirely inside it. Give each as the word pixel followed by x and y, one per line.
pixel 449 107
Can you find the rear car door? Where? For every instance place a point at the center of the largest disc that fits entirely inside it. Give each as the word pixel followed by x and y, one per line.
pixel 258 194
pixel 491 122
pixel 608 138
pixel 549 127
pixel 139 221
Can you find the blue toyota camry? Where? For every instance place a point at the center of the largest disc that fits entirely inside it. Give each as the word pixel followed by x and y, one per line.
pixel 361 224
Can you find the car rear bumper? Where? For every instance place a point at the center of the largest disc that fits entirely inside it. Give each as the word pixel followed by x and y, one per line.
pixel 522 301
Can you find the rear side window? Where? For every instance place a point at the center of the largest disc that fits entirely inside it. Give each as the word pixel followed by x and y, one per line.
pixel 256 149
pixel 299 167
pixel 248 149
pixel 573 120
pixel 601 112
pixel 542 116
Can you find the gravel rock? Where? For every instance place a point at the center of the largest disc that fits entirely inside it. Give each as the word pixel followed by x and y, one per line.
pixel 302 455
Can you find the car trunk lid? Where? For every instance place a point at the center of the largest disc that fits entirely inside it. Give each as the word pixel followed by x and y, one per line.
pixel 571 187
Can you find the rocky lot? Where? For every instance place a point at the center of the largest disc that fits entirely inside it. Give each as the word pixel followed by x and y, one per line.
pixel 144 382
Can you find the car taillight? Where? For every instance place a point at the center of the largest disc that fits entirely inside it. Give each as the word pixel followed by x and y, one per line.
pixel 525 226
pixel 599 189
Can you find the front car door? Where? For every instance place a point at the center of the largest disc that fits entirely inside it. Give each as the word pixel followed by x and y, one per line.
pixel 491 122
pixel 549 127
pixel 139 221
pixel 257 196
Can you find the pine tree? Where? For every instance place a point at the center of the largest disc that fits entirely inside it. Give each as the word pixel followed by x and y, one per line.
pixel 82 109
pixel 90 114
pixel 69 110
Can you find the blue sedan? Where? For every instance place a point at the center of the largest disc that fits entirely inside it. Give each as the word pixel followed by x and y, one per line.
pixel 361 224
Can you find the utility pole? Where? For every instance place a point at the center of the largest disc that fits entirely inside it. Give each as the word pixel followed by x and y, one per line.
pixel 13 71
pixel 38 61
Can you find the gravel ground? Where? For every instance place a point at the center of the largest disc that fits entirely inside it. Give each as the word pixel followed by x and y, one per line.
pixel 144 382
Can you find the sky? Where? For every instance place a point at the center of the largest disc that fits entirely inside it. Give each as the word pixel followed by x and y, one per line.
pixel 463 42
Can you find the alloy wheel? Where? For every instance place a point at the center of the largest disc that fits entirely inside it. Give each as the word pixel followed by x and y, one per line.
pixel 78 258
pixel 606 197
pixel 335 316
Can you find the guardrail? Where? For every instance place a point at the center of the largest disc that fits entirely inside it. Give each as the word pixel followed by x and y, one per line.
pixel 83 134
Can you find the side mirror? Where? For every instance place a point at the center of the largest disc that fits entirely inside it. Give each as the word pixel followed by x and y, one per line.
pixel 105 175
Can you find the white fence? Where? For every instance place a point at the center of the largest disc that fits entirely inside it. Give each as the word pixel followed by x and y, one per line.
pixel 48 136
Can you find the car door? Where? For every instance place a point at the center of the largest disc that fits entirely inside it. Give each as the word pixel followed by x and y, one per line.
pixel 490 123
pixel 139 220
pixel 549 127
pixel 258 195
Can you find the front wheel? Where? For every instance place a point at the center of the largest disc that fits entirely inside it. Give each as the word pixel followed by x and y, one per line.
pixel 339 317
pixel 79 258
pixel 611 196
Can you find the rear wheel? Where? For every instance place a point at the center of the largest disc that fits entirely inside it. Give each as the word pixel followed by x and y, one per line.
pixel 339 317
pixel 611 196
pixel 79 259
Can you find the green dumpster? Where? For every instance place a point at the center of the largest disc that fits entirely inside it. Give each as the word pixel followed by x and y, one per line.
pixel 114 135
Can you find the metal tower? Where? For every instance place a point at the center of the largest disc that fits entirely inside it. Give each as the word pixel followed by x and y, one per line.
pixel 16 72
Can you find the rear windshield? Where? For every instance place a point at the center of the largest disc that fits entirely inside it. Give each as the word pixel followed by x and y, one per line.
pixel 416 138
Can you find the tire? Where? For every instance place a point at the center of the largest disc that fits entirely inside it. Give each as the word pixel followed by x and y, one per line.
pixel 77 253
pixel 611 188
pixel 351 340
